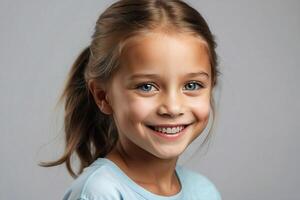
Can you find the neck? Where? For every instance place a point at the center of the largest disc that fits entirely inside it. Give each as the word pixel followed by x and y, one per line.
pixel 153 173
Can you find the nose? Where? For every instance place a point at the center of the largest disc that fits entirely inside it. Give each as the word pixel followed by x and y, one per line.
pixel 171 105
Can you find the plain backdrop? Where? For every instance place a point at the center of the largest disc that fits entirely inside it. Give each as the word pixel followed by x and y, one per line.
pixel 254 153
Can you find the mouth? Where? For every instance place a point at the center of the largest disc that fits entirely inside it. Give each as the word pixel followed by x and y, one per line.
pixel 169 131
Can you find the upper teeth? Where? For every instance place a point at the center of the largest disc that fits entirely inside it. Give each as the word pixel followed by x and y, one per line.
pixel 169 129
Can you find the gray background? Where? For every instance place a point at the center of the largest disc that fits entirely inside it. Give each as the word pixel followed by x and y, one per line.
pixel 254 152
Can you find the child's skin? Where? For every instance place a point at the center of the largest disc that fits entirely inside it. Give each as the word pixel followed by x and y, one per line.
pixel 146 157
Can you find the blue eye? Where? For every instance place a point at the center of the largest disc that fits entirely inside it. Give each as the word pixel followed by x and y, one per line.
pixel 145 87
pixel 193 86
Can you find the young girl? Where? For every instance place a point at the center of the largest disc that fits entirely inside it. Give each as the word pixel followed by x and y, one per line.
pixel 135 99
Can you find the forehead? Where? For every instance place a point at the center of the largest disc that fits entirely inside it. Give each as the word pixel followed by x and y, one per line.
pixel 181 51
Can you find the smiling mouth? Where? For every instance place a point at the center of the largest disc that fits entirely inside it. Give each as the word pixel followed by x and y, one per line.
pixel 168 130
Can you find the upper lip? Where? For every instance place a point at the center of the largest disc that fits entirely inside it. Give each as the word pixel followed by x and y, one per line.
pixel 170 125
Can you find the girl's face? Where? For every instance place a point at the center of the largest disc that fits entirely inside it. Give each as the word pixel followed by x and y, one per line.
pixel 160 96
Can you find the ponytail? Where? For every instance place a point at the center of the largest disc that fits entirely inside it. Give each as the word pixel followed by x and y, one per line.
pixel 88 132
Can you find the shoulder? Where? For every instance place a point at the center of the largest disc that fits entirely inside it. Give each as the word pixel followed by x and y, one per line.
pixel 198 185
pixel 96 182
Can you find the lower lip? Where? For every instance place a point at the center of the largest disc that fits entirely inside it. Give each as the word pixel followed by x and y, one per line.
pixel 170 136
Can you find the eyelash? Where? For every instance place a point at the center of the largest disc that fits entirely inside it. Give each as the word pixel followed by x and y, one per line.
pixel 152 85
pixel 143 84
pixel 196 83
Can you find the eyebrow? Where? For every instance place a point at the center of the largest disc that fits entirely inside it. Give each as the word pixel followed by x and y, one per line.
pixel 140 75
pixel 202 73
pixel 190 75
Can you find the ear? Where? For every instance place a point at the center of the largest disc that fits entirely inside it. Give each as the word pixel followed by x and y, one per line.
pixel 100 96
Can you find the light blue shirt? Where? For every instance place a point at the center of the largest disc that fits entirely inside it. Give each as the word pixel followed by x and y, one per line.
pixel 104 180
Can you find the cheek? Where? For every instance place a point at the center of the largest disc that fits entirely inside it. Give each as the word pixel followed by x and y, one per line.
pixel 136 108
pixel 140 108
pixel 201 108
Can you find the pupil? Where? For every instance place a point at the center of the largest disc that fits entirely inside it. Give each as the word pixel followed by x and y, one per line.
pixel 146 87
pixel 190 86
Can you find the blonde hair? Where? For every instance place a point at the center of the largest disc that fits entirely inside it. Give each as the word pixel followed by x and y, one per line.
pixel 88 132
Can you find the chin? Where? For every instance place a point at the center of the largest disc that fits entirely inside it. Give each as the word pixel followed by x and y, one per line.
pixel 168 154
